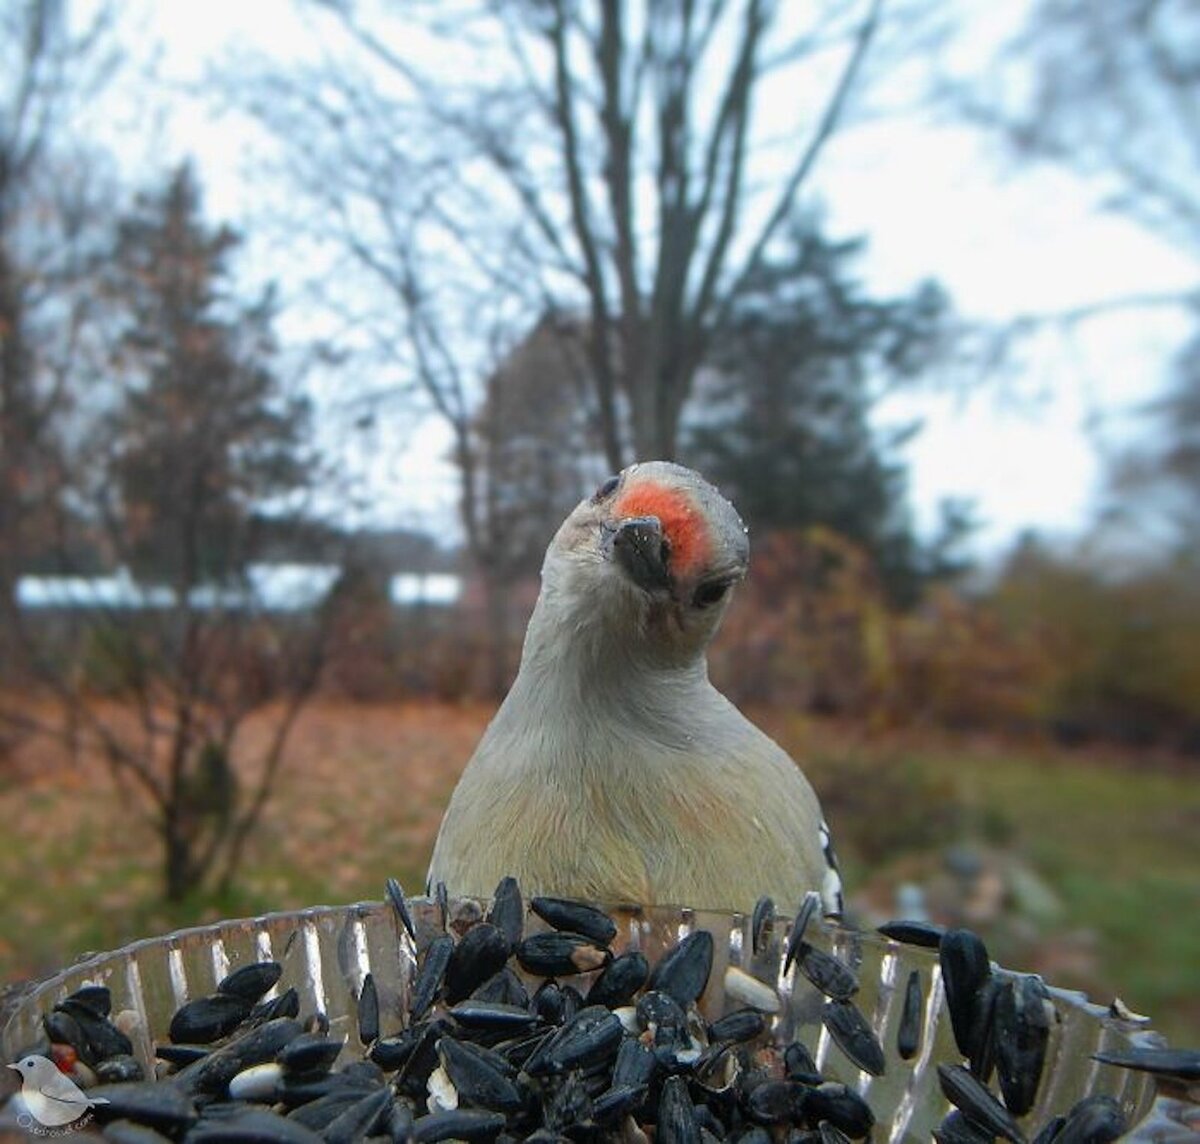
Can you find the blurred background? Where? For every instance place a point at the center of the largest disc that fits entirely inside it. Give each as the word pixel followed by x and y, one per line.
pixel 317 316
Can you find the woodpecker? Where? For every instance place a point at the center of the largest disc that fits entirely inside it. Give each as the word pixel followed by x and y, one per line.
pixel 614 771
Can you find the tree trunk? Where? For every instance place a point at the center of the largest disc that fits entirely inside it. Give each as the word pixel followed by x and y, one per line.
pixel 177 870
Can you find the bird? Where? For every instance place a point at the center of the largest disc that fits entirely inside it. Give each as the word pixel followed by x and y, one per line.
pixel 52 1098
pixel 614 771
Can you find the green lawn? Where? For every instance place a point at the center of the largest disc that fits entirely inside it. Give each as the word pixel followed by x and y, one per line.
pixel 1115 844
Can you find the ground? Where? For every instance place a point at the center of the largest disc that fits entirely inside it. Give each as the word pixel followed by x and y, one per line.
pixel 1082 866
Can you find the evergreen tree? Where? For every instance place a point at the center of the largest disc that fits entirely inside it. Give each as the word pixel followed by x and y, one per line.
pixel 200 455
pixel 205 434
pixel 786 432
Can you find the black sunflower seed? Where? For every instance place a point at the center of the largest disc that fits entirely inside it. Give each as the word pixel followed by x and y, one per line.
pixel 831 976
pixel 798 1064
pixel 594 1034
pixel 740 1025
pixel 804 914
pixel 617 1102
pixel 1050 1130
pixel 677 1123
pixel 250 982
pixel 504 987
pixel 982 1057
pixel 761 922
pixel 62 1029
pixel 159 1106
pixel 968 1095
pixel 619 980
pixel 297 1093
pixel 570 1107
pixel 309 1053
pixel 841 1106
pixel 683 971
pixel 1096 1119
pixel 480 1077
pixel 119 1069
pixel 126 1132
pixel 495 1016
pixel 480 953
pixel 956 1128
pixel 557 954
pixel 663 1016
pixel 255 1046
pixel 287 1004
pixel 231 1124
pixel 634 1066
pixel 965 969
pixel 207 1019
pixel 1022 1026
pixel 778 1102
pixel 908 1034
pixel 575 917
pixel 922 934
pixel 360 1119
pixel 547 1003
pixel 831 1133
pixel 457 1124
pixel 98 998
pixel 1182 1064
pixel 181 1055
pixel 854 1036
pixel 508 911
pixel 101 1039
pixel 399 903
pixel 318 1114
pixel 368 1011
pixel 429 977
pixel 392 1053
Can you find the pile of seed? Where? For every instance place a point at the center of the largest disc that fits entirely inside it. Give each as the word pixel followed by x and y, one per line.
pixel 480 1058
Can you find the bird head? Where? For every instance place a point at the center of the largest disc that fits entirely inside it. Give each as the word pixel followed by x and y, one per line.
pixel 33 1067
pixel 653 553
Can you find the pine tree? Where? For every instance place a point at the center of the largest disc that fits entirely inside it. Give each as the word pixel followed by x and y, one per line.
pixel 205 435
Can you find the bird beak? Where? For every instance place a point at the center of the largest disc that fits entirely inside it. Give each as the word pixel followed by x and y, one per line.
pixel 15 1068
pixel 641 550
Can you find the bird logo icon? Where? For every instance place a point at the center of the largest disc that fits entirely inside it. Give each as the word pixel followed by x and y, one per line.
pixel 52 1098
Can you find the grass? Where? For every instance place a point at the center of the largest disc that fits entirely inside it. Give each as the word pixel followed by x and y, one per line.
pixel 1115 844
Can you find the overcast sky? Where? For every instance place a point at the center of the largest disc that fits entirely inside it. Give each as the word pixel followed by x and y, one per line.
pixel 933 200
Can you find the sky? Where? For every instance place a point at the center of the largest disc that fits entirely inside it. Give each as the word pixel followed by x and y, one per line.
pixel 933 199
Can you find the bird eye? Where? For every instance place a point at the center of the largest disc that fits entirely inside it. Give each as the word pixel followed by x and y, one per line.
pixel 711 593
pixel 606 489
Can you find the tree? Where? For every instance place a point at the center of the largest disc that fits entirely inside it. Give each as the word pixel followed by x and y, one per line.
pixel 50 214
pixel 205 432
pixel 1112 91
pixel 605 160
pixel 535 456
pixel 1154 485
pixel 464 170
pixel 192 468
pixel 785 429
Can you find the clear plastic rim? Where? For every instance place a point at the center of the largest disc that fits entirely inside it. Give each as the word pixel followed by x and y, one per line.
pixel 327 950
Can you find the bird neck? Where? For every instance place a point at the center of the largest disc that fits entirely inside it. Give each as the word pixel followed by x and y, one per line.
pixel 575 661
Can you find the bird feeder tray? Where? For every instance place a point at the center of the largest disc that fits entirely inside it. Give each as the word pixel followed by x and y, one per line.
pixel 327 951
